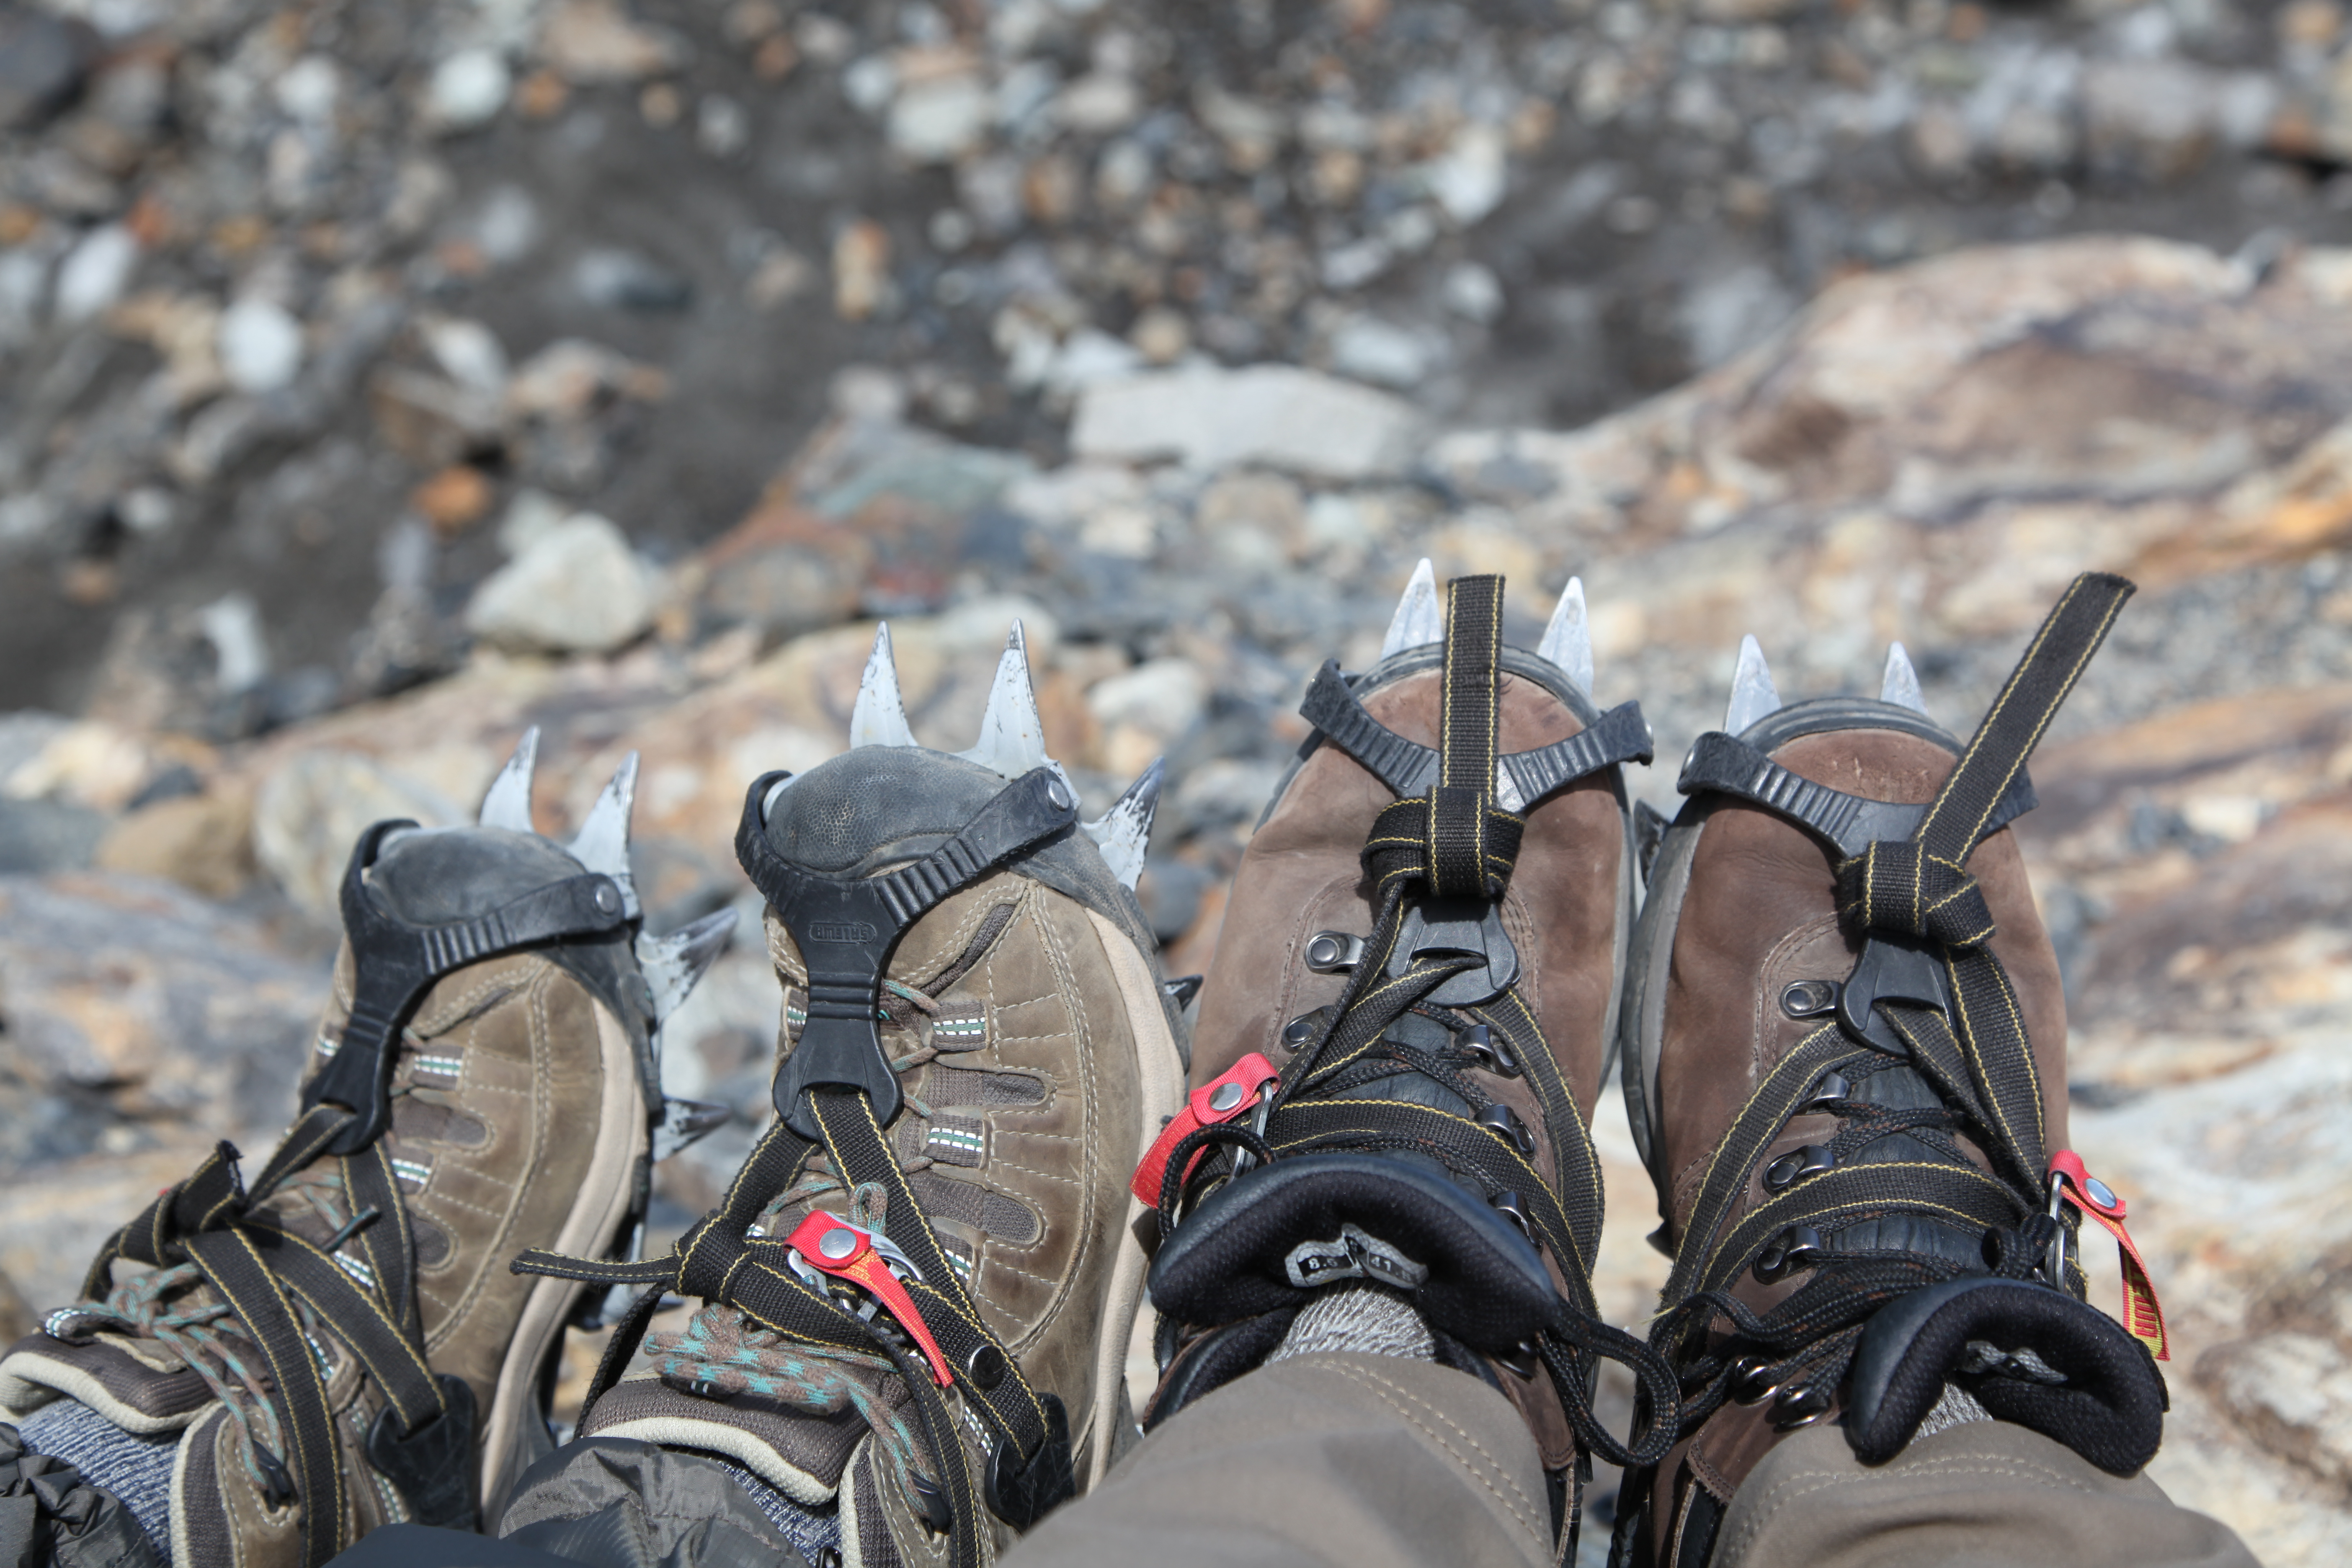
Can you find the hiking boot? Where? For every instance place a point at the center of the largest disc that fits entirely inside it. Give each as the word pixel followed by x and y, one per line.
pixel 1406 1026
pixel 1844 1048
pixel 917 1293
pixel 340 1343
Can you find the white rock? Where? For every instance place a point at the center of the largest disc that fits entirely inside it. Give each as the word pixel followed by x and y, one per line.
pixel 1090 356
pixel 1473 292
pixel 95 272
pixel 232 624
pixel 1366 348
pixel 1278 416
pixel 259 345
pixel 870 83
pixel 575 587
pixel 308 89
pixel 1162 696
pixel 938 122
pixel 1098 103
pixel 1467 180
pixel 468 352
pixel 532 513
pixel 467 89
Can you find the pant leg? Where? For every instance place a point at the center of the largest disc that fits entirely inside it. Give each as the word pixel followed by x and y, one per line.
pixel 1358 1461
pixel 1983 1495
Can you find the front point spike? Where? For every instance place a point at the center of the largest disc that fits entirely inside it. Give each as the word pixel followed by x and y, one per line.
pixel 880 716
pixel 603 842
pixel 1124 832
pixel 1012 733
pixel 507 804
pixel 1568 640
pixel 1752 693
pixel 1420 618
pixel 1901 685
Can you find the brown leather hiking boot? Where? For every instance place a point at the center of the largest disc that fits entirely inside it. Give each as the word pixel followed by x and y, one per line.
pixel 339 1344
pixel 918 1294
pixel 1844 1048
pixel 1407 1023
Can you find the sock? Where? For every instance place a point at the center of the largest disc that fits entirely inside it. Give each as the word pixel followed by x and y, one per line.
pixel 134 1468
pixel 1364 1319
pixel 1956 1407
pixel 812 1531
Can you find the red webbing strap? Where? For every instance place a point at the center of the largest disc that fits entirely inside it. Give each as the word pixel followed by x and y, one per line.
pixel 2143 1315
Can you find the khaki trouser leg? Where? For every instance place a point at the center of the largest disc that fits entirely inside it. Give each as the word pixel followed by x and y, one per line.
pixel 1373 1462
pixel 1359 1461
pixel 1985 1495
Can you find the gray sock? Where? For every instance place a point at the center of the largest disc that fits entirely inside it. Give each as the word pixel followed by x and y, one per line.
pixel 1956 1407
pixel 812 1531
pixel 135 1469
pixel 1364 1319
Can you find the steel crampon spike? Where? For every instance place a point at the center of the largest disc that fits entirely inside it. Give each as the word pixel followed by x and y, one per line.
pixel 1419 617
pixel 879 718
pixel 1752 692
pixel 603 842
pixel 1568 640
pixel 1012 733
pixel 673 964
pixel 1124 832
pixel 507 803
pixel 1901 684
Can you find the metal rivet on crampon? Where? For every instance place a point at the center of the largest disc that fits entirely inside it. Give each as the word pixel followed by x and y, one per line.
pixel 985 1366
pixel 837 1244
pixel 607 897
pixel 2098 1192
pixel 1226 1097
pixel 1058 793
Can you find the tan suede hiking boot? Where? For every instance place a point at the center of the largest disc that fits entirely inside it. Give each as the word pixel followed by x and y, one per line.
pixel 341 1346
pixel 1407 1024
pixel 1844 1045
pixel 919 1292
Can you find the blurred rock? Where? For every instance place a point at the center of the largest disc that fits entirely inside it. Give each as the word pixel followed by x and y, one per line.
pixel 95 272
pixel 1276 415
pixel 203 842
pixel 186 1016
pixel 38 835
pixel 259 346
pixel 2293 1391
pixel 467 91
pixel 431 421
pixel 43 59
pixel 577 587
pixel 587 41
pixel 311 809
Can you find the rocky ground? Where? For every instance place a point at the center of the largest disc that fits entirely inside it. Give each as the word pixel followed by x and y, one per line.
pixel 381 379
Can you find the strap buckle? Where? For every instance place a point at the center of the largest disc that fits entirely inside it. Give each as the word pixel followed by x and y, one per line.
pixel 1891 969
pixel 825 1245
pixel 1458 928
pixel 1221 1099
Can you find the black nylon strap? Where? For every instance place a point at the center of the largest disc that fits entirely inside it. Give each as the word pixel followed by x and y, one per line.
pixel 233 1268
pixel 1471 716
pixel 1730 765
pixel 855 1140
pixel 1997 753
